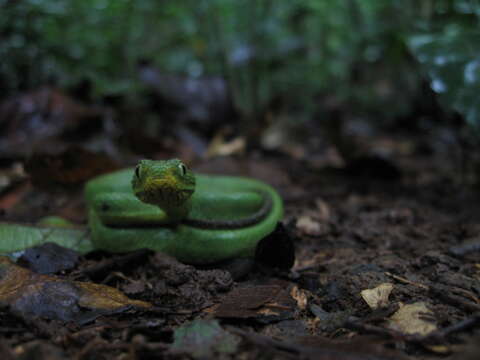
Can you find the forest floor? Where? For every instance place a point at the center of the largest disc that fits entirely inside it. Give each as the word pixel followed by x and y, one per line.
pixel 384 269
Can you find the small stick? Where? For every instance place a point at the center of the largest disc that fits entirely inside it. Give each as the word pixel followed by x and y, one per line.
pixel 465 248
pixel 406 281
pixel 438 335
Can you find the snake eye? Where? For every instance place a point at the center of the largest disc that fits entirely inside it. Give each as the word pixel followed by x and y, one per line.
pixel 183 169
pixel 137 171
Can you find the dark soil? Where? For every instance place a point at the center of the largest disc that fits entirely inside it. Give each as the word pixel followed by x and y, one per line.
pixel 416 229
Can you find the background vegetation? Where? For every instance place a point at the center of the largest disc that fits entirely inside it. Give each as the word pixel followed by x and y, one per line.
pixel 368 53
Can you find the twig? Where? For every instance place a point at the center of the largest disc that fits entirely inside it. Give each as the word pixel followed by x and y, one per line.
pixel 465 248
pixel 444 295
pixel 406 281
pixel 466 294
pixel 356 325
pixel 463 325
pixel 116 261
pixel 437 335
pixel 454 300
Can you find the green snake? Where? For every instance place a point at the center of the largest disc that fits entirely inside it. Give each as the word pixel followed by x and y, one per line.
pixel 162 205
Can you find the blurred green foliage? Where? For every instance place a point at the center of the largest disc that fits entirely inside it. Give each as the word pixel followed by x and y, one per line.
pixel 448 46
pixel 355 49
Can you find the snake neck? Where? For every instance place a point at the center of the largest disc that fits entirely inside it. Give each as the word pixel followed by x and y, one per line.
pixel 178 213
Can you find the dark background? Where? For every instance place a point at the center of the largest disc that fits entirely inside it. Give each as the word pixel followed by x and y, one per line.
pixel 281 75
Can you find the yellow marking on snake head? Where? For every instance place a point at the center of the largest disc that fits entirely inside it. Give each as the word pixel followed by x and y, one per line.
pixel 167 181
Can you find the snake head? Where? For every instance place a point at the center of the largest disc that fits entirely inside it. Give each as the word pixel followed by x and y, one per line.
pixel 165 183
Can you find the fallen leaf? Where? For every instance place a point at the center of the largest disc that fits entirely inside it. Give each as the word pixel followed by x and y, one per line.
pixel 408 319
pixel 204 339
pixel 284 135
pixel 35 295
pixel 242 302
pixel 309 226
pixel 377 297
pixel 14 174
pixel 15 195
pixel 38 349
pixel 324 212
pixel 255 302
pixel 300 297
pixel 15 238
pixel 220 147
pixel 97 296
pixel 49 258
pixel 439 349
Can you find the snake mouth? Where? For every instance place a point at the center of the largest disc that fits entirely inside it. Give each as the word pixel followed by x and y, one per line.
pixel 165 196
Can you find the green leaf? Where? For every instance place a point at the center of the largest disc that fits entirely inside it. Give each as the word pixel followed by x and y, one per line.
pixel 451 58
pixel 204 339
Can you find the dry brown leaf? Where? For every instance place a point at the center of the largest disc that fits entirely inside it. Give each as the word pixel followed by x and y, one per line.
pixel 97 296
pixel 268 312
pixel 324 212
pixel 408 319
pixel 439 349
pixel 220 147
pixel 309 226
pixel 255 302
pixel 32 294
pixel 377 297
pixel 300 296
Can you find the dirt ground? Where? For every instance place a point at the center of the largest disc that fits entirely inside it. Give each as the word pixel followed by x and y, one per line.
pixel 410 237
